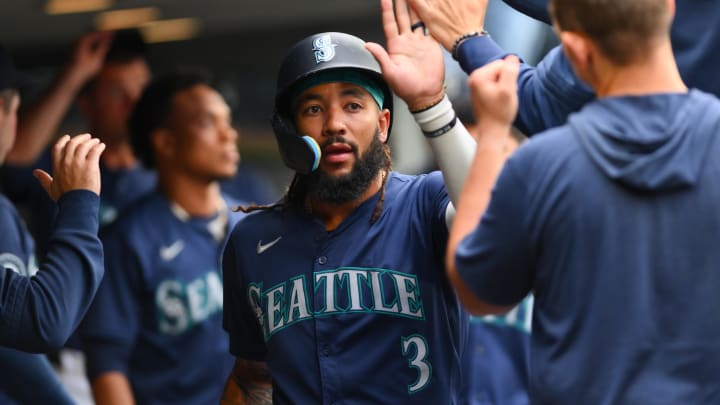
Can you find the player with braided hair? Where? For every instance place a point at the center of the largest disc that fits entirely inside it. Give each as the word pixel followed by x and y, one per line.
pixel 338 292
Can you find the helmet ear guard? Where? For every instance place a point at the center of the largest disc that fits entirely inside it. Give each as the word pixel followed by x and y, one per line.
pixel 299 152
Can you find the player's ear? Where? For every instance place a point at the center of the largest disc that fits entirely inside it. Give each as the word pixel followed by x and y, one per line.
pixel 163 144
pixel 384 124
pixel 578 49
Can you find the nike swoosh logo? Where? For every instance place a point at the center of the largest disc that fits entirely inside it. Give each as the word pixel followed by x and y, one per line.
pixel 168 253
pixel 261 248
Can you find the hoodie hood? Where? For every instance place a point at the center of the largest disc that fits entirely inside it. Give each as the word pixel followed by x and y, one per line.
pixel 651 143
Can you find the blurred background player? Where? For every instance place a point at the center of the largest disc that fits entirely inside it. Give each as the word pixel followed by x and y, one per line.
pixel 106 74
pixel 154 333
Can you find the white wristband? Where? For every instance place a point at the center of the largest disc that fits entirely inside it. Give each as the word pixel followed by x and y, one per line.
pixel 436 117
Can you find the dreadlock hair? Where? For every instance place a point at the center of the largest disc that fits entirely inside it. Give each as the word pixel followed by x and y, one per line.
pixel 296 194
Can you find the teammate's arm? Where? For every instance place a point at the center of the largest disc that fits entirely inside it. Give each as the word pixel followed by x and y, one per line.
pixel 548 93
pixel 249 384
pixel 414 68
pixel 495 103
pixel 112 388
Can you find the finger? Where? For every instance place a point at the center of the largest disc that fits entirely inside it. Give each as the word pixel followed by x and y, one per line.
pixel 402 16
pixel 82 150
pixel 510 71
pixel 69 154
pixel 386 64
pixel 415 18
pixel 508 81
pixel 487 73
pixel 93 156
pixel 390 27
pixel 512 59
pixel 58 152
pixel 45 180
pixel 420 10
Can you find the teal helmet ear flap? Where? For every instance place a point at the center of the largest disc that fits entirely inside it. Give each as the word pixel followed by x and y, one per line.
pixel 299 152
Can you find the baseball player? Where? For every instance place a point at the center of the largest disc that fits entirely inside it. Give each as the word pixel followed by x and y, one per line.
pixel 40 307
pixel 337 294
pixel 154 334
pixel 611 219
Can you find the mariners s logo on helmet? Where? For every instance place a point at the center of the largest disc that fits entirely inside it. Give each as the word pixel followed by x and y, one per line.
pixel 324 49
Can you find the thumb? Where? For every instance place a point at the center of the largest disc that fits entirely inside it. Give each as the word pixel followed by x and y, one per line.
pixel 45 180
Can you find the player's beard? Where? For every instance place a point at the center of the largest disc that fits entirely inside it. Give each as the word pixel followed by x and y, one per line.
pixel 350 187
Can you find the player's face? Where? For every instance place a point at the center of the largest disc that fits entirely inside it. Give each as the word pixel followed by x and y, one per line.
pixel 109 103
pixel 205 142
pixel 343 118
pixel 8 124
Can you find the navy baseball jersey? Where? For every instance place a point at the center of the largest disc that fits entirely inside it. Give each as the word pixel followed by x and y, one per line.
pixel 157 316
pixel 496 361
pixel 39 309
pixel 361 314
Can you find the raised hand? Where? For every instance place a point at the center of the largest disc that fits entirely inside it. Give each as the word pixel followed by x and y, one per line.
pixel 413 64
pixel 447 20
pixel 493 90
pixel 76 166
pixel 88 56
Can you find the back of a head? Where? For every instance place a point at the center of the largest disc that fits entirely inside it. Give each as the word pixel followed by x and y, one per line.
pixel 153 109
pixel 625 30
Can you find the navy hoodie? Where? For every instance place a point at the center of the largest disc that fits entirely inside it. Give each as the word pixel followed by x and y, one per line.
pixel 612 221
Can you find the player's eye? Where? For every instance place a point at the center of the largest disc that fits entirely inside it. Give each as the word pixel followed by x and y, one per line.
pixel 312 110
pixel 354 106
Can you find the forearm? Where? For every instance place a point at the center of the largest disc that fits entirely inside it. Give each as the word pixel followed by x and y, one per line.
pixel 38 126
pixel 249 384
pixel 453 149
pixel 58 296
pixel 548 93
pixel 488 161
pixel 112 388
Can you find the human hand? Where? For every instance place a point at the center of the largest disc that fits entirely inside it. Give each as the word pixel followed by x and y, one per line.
pixel 413 64
pixel 88 56
pixel 493 90
pixel 447 20
pixel 76 166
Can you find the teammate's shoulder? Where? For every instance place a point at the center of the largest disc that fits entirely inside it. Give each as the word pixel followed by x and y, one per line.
pixel 147 212
pixel 409 180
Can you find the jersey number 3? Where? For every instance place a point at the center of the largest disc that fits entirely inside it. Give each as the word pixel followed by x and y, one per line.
pixel 415 348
